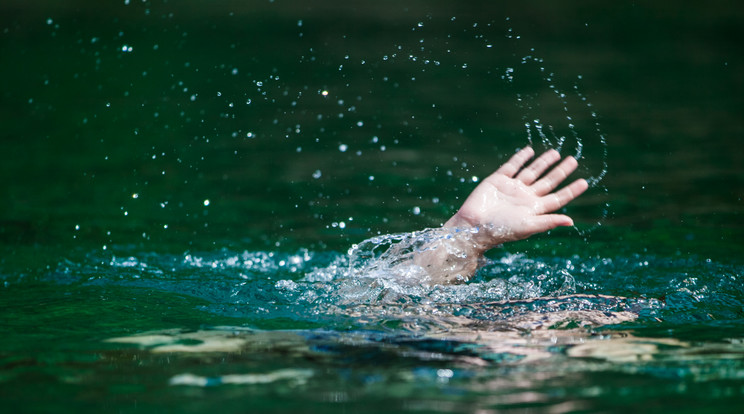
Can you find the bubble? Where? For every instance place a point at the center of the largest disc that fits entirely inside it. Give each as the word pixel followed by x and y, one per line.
pixel 206 202
pixel 317 174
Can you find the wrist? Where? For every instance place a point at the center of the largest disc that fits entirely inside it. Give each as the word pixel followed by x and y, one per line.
pixel 479 237
pixel 460 222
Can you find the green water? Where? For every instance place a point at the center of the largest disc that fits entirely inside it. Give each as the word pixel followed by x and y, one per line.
pixel 199 170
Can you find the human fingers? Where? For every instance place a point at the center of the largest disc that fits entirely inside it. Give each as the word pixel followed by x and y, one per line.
pixel 532 172
pixel 516 162
pixel 554 201
pixel 556 176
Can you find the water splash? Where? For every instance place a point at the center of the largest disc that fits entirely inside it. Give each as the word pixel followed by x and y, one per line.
pixel 554 110
pixel 537 106
pixel 392 256
pixel 373 285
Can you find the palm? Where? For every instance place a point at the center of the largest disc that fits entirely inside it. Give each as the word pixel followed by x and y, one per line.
pixel 517 201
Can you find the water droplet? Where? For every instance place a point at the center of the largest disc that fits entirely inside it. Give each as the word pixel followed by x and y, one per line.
pixel 445 373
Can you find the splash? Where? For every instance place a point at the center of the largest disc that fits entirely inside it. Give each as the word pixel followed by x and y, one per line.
pixel 552 109
pixel 563 131
pixel 560 118
pixel 365 289
pixel 394 255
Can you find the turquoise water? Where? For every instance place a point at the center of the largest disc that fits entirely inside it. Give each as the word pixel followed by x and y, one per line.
pixel 183 181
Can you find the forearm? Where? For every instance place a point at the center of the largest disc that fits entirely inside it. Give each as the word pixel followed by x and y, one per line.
pixel 443 255
pixel 511 204
pixel 457 255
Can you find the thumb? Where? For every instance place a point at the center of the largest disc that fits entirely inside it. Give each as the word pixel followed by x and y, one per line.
pixel 547 222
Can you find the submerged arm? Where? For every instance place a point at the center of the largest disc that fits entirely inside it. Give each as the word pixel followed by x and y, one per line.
pixel 511 204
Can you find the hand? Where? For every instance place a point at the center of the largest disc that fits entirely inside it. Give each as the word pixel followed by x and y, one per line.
pixel 513 203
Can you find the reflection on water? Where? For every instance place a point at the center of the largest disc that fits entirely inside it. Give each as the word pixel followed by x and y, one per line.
pixel 527 330
pixel 550 348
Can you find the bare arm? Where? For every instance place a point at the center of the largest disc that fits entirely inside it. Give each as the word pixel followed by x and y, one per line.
pixel 511 204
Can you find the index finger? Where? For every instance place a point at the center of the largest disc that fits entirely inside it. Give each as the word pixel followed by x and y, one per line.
pixel 511 167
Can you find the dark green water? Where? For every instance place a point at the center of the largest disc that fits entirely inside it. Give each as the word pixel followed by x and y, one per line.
pixel 199 170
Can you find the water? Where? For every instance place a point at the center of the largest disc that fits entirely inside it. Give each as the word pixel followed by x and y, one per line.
pixel 182 185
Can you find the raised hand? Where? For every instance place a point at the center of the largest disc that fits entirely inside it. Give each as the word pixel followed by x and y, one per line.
pixel 515 202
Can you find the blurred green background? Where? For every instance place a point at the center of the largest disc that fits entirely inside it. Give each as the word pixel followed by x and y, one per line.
pixel 120 118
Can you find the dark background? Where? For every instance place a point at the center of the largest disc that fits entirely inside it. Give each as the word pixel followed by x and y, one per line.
pixel 88 123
